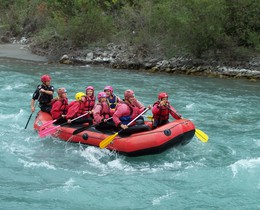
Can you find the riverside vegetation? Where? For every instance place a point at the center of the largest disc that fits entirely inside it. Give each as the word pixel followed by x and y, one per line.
pixel 220 37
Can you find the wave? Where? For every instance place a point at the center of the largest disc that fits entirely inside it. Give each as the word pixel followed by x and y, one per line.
pixel 245 164
pixel 43 164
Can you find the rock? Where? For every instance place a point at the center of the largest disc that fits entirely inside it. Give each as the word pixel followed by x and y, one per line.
pixel 5 39
pixel 65 60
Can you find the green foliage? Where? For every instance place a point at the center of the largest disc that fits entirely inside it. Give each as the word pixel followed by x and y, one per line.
pixel 198 25
pixel 88 24
pixel 243 22
pixel 195 27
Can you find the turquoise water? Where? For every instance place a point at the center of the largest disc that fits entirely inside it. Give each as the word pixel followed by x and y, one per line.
pixel 52 174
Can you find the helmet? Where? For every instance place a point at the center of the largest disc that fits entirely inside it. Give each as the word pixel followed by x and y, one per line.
pixel 89 88
pixel 61 91
pixel 102 95
pixel 162 95
pixel 109 88
pixel 128 94
pixel 79 95
pixel 45 78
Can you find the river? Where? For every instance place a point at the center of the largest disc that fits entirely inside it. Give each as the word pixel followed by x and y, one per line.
pixel 52 174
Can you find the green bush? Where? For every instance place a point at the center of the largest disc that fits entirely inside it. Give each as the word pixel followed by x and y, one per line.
pixel 166 27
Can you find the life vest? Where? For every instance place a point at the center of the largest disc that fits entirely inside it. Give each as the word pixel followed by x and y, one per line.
pixel 163 113
pixel 126 119
pixel 45 99
pixel 81 109
pixel 64 106
pixel 112 102
pixel 105 111
pixel 89 103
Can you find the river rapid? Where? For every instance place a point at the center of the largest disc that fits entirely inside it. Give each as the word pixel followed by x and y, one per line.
pixel 52 174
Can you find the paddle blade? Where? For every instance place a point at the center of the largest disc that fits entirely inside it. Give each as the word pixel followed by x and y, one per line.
pixel 47 124
pixel 107 141
pixel 201 135
pixel 149 117
pixel 48 131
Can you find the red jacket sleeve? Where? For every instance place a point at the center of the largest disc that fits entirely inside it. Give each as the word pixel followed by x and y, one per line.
pixel 174 113
pixel 155 109
pixel 55 110
pixel 97 114
pixel 121 110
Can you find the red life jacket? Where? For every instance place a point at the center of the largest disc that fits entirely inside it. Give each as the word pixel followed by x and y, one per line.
pixel 163 113
pixel 75 113
pixel 64 105
pixel 105 110
pixel 89 103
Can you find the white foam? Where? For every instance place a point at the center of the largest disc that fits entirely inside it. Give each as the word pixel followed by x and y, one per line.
pixel 70 185
pixel 11 116
pixel 167 196
pixel 43 164
pixel 13 86
pixel 190 106
pixel 245 164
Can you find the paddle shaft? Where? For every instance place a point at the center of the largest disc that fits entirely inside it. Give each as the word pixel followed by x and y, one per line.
pixel 173 111
pixel 79 130
pixel 32 112
pixel 137 117
pixel 47 131
pixel 199 133
pixel 47 124
pixel 109 139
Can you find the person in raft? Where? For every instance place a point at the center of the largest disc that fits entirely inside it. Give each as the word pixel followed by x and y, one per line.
pixel 90 101
pixel 162 109
pixel 60 106
pixel 126 111
pixel 77 109
pixel 102 114
pixel 112 99
pixel 44 94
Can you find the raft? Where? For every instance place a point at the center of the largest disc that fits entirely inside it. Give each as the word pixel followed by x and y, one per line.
pixel 177 132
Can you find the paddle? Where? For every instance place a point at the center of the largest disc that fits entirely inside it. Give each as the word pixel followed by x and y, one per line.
pixel 52 130
pixel 199 133
pixel 109 139
pixel 32 112
pixel 79 130
pixel 47 124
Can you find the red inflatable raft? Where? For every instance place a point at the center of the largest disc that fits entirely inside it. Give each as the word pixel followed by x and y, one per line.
pixel 177 132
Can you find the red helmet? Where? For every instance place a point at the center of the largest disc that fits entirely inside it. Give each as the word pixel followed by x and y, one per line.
pixel 45 78
pixel 162 95
pixel 61 91
pixel 128 94
pixel 109 88
pixel 102 95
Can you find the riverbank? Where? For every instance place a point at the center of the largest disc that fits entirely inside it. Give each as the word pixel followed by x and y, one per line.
pixel 19 51
pixel 127 57
pixel 120 57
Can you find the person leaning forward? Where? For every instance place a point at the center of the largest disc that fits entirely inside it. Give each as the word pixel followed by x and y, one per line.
pixel 44 94
pixel 126 111
pixel 77 109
